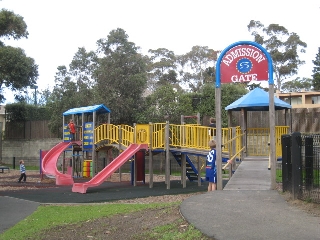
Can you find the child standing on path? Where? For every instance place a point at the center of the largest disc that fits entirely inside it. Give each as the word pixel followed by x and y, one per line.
pixel 211 168
pixel 23 172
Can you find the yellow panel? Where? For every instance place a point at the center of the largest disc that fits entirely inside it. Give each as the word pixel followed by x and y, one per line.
pixel 142 131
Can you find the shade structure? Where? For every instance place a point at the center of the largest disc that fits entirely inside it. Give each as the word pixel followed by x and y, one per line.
pixel 257 100
pixel 100 109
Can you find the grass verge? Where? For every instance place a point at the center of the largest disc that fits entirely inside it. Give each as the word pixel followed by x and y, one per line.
pixel 48 216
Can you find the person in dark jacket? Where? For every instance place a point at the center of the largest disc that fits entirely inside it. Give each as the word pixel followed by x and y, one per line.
pixel 212 132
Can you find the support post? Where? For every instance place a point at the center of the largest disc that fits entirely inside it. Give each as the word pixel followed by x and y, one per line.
pixel 218 137
pixel 150 156
pixel 167 155
pixel 184 171
pixel 272 137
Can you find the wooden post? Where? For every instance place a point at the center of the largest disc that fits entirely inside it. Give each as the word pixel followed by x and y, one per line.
pixel 198 118
pixel 199 171
pixel 244 129
pixel 218 137
pixel 184 171
pixel 134 158
pixel 93 146
pixel 150 156
pixel 167 155
pixel 272 137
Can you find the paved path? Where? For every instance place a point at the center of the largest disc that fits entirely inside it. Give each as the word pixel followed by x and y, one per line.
pixel 13 210
pixel 247 209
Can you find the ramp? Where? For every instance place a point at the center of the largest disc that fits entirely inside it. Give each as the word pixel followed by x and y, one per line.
pixel 49 163
pixel 109 169
pixel 250 175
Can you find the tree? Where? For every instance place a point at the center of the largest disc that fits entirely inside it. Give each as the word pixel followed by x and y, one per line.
pixel 316 72
pixel 205 101
pixel 62 98
pixel 120 76
pixel 195 65
pixel 81 70
pixel 166 104
pixel 297 85
pixel 17 70
pixel 162 68
pixel 284 48
pixel 12 25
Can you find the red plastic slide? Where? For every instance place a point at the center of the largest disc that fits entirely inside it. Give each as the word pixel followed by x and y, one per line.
pixel 49 163
pixel 109 169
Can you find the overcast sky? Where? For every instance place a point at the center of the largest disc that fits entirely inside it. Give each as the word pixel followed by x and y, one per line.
pixel 58 28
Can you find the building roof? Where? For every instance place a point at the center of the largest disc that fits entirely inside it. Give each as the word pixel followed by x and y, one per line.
pixel 100 109
pixel 257 100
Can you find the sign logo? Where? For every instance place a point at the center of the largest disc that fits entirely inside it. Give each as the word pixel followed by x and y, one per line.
pixel 244 63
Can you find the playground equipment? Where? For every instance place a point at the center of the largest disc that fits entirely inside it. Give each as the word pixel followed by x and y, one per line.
pixel 181 141
pixel 111 168
pixel 49 163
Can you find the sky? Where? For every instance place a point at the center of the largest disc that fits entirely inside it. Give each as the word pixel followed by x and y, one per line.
pixel 58 28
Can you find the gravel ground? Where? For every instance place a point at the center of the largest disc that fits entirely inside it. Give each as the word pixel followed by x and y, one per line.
pixel 8 182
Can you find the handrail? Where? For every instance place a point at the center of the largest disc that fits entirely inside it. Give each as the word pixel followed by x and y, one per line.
pixel 233 157
pixel 191 136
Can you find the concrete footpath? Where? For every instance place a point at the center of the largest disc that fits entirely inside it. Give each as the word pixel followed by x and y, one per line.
pixel 13 210
pixel 247 209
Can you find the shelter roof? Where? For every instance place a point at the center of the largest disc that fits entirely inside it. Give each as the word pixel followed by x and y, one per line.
pixel 100 109
pixel 257 100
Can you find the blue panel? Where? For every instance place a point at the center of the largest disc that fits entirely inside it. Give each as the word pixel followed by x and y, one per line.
pixel 88 135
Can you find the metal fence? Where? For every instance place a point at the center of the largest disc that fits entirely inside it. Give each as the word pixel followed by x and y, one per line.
pixel 301 166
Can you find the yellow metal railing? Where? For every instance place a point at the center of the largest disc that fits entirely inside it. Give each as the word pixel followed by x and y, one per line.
pixel 158 135
pixel 112 133
pixel 279 131
pixel 234 144
pixel 258 139
pixel 191 136
pixel 127 135
pixel 105 132
pixel 175 137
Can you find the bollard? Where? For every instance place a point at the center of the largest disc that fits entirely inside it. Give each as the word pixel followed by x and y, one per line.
pixel 14 163
pixel 309 162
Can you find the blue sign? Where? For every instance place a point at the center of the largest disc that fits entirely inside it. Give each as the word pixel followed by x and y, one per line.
pixel 66 133
pixel 87 141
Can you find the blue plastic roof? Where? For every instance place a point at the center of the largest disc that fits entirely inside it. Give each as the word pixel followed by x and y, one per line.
pixel 100 109
pixel 257 100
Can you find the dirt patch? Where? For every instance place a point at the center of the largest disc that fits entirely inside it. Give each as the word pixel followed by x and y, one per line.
pixel 137 225
pixel 308 207
pixel 9 180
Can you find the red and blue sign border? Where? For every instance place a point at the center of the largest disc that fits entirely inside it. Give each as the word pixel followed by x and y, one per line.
pixel 218 65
